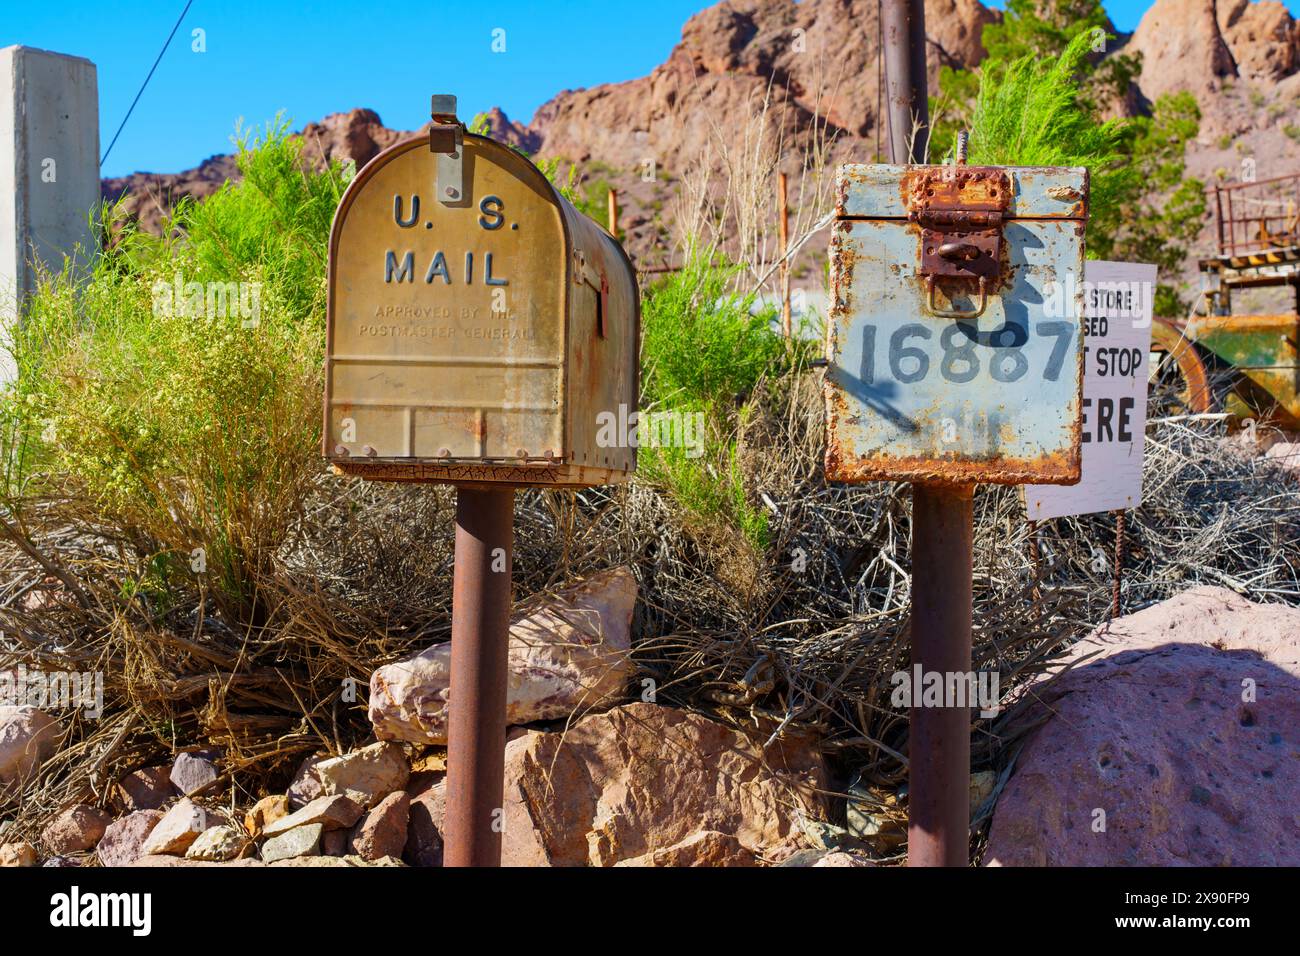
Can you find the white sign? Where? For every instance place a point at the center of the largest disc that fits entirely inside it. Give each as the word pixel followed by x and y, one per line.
pixel 1118 299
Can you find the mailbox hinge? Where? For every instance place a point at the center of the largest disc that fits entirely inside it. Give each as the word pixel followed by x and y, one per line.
pixel 447 139
pixel 960 211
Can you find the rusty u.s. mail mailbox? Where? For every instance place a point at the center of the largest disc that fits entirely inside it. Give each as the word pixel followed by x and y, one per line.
pixel 954 346
pixel 481 329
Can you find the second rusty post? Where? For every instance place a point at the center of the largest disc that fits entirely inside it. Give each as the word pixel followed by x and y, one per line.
pixel 938 749
pixel 939 737
pixel 480 626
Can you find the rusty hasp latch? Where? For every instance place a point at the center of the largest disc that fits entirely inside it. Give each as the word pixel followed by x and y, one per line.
pixel 447 139
pixel 960 210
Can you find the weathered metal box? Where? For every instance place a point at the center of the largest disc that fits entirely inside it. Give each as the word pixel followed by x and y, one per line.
pixel 481 330
pixel 954 344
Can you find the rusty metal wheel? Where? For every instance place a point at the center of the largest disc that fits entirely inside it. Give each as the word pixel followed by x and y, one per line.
pixel 1178 380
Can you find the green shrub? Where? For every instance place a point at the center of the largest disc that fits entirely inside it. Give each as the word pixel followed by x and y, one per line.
pixel 190 422
pixel 1030 114
pixel 704 348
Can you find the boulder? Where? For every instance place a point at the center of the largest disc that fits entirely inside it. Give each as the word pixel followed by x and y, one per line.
pixel 626 784
pixel 17 854
pixel 1182 49
pixel 146 789
pixel 1262 37
pixel 367 775
pixel 382 831
pixel 218 844
pixel 1174 745
pixel 179 827
pixel 300 841
pixel 335 812
pixel 27 737
pixel 265 812
pixel 75 829
pixel 191 774
pixel 571 654
pixel 123 840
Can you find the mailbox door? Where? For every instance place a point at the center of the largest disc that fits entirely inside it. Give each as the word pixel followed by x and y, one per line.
pixel 919 396
pixel 446 325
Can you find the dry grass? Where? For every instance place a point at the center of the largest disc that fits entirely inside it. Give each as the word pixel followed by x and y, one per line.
pixel 800 639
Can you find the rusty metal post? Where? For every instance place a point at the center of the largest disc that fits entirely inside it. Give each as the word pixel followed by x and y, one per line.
pixel 938 825
pixel 613 213
pixel 480 624
pixel 907 103
pixel 1118 578
pixel 783 225
pixel 939 737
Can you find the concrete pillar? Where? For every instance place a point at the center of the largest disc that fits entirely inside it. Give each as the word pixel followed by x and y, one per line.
pixel 49 167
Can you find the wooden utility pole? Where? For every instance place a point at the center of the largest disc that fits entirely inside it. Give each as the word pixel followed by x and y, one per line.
pixel 787 322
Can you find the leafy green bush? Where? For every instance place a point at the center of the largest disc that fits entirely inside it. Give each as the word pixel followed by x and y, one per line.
pixel 1029 114
pixel 704 348
pixel 177 386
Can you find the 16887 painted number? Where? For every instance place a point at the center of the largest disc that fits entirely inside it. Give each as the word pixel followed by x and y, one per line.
pixel 910 357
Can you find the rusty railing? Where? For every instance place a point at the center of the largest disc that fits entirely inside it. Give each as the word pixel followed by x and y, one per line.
pixel 1258 216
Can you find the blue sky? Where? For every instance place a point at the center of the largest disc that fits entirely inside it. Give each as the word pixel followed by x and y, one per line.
pixel 314 58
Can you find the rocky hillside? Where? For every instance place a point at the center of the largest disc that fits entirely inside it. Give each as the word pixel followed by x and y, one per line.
pixel 819 58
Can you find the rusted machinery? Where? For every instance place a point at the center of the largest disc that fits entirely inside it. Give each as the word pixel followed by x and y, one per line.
pixel 1259 355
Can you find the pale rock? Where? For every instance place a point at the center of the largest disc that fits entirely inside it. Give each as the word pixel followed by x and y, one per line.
pixel 179 827
pixel 705 848
pixel 335 812
pixel 571 654
pixel 265 812
pixel 367 775
pixel 843 858
pixel 17 855
pixel 300 841
pixel 218 844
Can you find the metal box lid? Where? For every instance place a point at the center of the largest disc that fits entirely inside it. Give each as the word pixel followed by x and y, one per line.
pixel 954 345
pixel 882 191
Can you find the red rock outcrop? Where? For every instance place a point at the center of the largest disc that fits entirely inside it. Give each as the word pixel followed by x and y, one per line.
pixel 1174 745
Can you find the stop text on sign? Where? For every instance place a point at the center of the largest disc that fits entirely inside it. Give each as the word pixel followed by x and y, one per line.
pixel 1118 300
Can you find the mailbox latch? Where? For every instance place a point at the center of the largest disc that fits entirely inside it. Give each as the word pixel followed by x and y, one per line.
pixel 960 211
pixel 447 139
